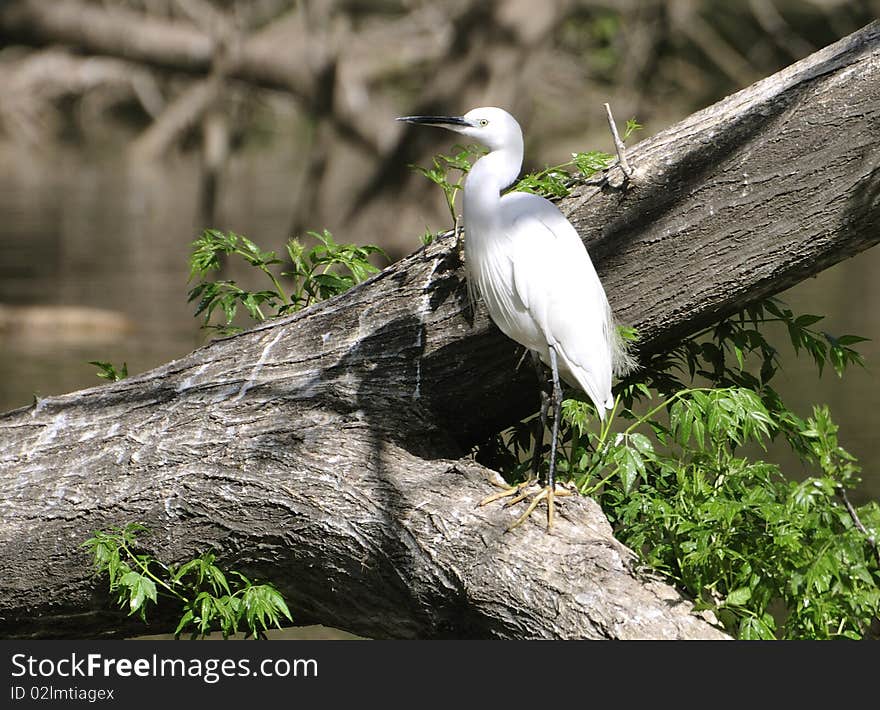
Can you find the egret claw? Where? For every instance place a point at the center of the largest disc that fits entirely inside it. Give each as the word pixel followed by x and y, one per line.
pixel 507 492
pixel 548 493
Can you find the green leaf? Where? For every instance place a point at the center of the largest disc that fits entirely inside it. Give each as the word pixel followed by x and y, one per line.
pixel 263 605
pixel 631 127
pixel 217 579
pixel 591 162
pixel 807 320
pixel 185 621
pixel 738 597
pixel 140 588
pixel 108 372
pixel 642 444
pixel 850 339
pixel 631 467
pixel 755 628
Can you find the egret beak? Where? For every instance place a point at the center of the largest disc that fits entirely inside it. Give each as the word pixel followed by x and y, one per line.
pixel 452 122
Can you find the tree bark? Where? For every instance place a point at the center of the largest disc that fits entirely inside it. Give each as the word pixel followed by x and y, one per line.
pixel 326 451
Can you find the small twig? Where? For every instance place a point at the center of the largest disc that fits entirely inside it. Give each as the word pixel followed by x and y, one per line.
pixel 618 145
pixel 872 541
pixel 600 181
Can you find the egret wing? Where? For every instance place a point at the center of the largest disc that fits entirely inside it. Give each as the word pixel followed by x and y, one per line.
pixel 557 285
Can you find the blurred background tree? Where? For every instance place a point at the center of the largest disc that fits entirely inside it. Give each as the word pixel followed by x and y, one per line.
pixel 127 126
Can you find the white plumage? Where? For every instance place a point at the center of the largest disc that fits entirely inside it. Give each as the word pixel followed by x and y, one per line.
pixel 541 290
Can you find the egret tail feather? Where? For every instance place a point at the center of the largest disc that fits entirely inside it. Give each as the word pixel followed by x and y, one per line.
pixel 623 361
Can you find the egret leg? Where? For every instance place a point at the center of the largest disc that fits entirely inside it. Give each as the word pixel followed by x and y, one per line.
pixel 520 490
pixel 541 422
pixel 556 399
pixel 549 492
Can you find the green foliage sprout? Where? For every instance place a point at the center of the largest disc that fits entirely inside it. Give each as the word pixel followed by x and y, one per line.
pixel 459 161
pixel 557 181
pixel 108 371
pixel 210 598
pixel 312 274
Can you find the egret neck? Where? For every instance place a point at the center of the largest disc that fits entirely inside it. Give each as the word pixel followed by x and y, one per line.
pixel 482 189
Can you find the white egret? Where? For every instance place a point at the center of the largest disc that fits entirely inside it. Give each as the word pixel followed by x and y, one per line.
pixel 531 269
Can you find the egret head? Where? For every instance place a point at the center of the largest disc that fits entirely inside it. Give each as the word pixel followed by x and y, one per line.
pixel 493 127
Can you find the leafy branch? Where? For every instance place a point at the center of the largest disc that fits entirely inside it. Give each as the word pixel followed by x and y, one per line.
pixel 557 181
pixel 209 598
pixel 313 274
pixel 459 161
pixel 108 371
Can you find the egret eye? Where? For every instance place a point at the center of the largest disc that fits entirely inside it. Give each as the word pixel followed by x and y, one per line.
pixel 483 122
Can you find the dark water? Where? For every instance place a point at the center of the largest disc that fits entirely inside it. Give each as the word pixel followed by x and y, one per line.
pixel 76 236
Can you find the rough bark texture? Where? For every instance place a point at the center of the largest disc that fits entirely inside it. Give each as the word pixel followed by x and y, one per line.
pixel 323 451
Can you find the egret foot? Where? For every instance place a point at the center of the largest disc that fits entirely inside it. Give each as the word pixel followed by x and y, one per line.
pixel 548 493
pixel 509 491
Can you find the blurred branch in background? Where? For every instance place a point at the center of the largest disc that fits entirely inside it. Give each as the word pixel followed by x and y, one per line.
pixel 36 85
pixel 176 75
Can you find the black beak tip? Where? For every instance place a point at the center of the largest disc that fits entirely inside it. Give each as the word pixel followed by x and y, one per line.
pixel 439 121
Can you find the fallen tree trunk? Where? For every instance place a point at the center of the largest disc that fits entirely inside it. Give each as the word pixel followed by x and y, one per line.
pixel 323 451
